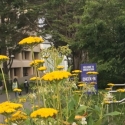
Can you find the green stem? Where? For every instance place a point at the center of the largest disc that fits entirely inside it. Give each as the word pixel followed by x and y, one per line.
pixel 43 95
pixel 107 111
pixel 5 83
pixel 67 107
pixel 59 103
pixel 36 76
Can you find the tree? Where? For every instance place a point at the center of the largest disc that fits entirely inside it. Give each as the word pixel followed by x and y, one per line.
pixel 18 19
pixel 62 18
pixel 102 33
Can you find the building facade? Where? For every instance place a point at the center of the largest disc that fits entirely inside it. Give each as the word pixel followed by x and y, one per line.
pixel 20 68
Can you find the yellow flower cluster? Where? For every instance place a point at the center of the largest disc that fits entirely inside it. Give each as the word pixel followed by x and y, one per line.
pixel 35 106
pixel 108 88
pixel 45 57
pixel 44 113
pixel 18 116
pixel 77 91
pixel 3 58
pixel 92 83
pixel 34 78
pixel 21 100
pixel 17 90
pixel 110 84
pixel 81 82
pixel 42 68
pixel 74 74
pixel 9 107
pixel 31 41
pixel 82 85
pixel 36 62
pixel 120 90
pixel 92 73
pixel 77 117
pixel 106 102
pixel 76 71
pixel 56 75
pixel 60 67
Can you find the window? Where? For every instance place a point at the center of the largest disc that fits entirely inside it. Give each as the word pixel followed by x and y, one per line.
pixel 25 71
pixel 15 72
pixel 36 55
pixel 25 55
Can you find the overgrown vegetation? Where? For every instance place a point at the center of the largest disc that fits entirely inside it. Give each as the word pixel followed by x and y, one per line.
pixel 93 29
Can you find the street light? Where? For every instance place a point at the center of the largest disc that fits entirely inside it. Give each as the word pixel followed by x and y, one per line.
pixel 9 66
pixel 10 62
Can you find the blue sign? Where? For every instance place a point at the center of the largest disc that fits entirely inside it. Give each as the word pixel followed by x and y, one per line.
pixel 88 67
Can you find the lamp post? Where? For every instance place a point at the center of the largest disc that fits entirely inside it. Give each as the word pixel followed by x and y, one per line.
pixel 10 64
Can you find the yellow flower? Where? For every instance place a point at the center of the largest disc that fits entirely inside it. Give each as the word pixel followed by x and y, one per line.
pixel 74 74
pixel 9 107
pixel 77 117
pixel 42 68
pixel 106 102
pixel 3 58
pixel 35 106
pixel 18 116
pixel 45 57
pixel 66 123
pixel 92 83
pixel 17 90
pixel 60 67
pixel 31 41
pixel 120 90
pixel 110 84
pixel 92 73
pixel 81 85
pixel 36 62
pixel 77 91
pixel 34 78
pixel 76 71
pixel 108 88
pixel 56 75
pixel 54 97
pixel 44 113
pixel 21 100
pixel 81 82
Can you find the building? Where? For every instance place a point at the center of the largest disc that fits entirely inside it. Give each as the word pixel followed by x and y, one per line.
pixel 21 69
pixel 21 64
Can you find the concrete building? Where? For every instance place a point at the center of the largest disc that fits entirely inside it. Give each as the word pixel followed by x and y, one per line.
pixel 21 64
pixel 21 69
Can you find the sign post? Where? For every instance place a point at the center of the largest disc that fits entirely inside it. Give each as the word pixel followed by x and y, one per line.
pixel 89 67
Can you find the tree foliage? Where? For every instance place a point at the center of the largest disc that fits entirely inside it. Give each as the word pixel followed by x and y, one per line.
pixel 94 30
pixel 102 31
pixel 18 19
pixel 62 19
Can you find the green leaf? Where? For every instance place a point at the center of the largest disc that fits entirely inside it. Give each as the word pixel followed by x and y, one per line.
pixel 71 118
pixel 113 113
pixel 98 122
pixel 97 109
pixel 90 121
pixel 81 109
pixel 71 105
